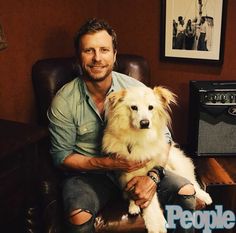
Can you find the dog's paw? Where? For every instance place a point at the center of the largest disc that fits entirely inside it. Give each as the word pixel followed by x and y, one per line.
pixel 158 231
pixel 204 196
pixel 157 227
pixel 207 199
pixel 163 225
pixel 134 209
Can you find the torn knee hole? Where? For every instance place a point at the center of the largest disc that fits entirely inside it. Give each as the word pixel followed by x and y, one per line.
pixel 79 217
pixel 187 190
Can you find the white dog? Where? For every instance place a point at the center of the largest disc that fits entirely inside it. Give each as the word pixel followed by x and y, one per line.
pixel 136 124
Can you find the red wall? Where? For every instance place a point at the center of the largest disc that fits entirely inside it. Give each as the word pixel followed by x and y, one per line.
pixel 34 30
pixel 45 28
pixel 138 26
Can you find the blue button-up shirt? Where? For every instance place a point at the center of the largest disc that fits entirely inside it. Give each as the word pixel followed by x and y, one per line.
pixel 75 123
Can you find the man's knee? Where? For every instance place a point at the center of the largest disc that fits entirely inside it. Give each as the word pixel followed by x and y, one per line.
pixel 186 190
pixel 186 197
pixel 79 217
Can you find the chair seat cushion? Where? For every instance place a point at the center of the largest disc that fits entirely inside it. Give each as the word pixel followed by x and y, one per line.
pixel 115 218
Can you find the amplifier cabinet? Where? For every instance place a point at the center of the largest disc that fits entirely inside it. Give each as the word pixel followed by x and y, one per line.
pixel 212 118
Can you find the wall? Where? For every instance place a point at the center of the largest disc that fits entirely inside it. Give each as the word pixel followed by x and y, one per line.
pixel 45 28
pixel 34 30
pixel 138 27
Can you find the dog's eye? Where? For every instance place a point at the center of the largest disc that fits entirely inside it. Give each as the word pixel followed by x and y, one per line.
pixel 150 107
pixel 134 107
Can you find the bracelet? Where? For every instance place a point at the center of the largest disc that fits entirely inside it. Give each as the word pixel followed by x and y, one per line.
pixel 156 180
pixel 160 171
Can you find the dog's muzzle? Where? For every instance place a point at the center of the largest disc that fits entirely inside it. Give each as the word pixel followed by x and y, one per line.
pixel 144 124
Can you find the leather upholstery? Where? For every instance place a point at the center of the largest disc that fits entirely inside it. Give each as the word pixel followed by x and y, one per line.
pixel 48 76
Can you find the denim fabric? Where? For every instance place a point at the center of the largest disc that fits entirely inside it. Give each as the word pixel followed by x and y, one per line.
pixel 170 186
pixel 187 202
pixel 88 191
pixel 91 192
pixel 87 227
pixel 168 195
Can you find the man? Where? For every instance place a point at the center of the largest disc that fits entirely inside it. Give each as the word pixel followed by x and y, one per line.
pixel 202 42
pixel 76 126
pixel 180 37
pixel 189 35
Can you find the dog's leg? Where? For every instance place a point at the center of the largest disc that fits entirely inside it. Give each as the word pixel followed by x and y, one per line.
pixel 154 218
pixel 187 170
pixel 201 194
pixel 133 208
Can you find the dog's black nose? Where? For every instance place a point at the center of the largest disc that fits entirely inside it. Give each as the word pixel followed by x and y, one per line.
pixel 144 124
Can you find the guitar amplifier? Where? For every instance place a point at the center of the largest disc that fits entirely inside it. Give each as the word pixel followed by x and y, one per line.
pixel 212 118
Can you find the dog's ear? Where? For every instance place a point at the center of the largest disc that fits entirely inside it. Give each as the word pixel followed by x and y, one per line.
pixel 115 97
pixel 167 97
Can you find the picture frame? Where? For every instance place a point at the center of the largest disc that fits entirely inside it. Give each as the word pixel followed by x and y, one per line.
pixel 193 30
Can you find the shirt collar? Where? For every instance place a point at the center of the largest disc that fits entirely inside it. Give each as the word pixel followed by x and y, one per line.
pixel 115 84
pixel 82 89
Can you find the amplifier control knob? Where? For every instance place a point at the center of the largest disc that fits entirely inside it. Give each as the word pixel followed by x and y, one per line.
pixel 214 99
pixel 223 98
pixel 231 97
pixel 205 98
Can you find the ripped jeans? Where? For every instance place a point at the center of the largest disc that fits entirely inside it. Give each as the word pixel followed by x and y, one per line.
pixel 90 193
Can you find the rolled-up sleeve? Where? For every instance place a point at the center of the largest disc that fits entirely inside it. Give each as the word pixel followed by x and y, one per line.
pixel 62 129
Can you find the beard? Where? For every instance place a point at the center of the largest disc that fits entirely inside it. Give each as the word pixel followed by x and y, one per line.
pixel 97 72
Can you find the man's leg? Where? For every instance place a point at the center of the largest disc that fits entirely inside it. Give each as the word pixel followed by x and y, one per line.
pixel 178 191
pixel 84 195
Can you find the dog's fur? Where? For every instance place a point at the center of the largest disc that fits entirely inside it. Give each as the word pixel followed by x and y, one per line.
pixel 136 124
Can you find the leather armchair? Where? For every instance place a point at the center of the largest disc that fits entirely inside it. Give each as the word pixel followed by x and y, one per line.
pixel 48 76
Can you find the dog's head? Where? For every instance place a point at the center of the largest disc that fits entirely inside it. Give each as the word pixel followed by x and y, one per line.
pixel 140 107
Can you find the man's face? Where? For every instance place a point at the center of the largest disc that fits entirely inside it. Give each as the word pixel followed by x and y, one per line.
pixel 97 55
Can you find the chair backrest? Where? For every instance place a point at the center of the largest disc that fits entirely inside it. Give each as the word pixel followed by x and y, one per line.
pixel 49 75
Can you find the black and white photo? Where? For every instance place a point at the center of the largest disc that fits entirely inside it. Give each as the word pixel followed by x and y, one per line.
pixel 193 29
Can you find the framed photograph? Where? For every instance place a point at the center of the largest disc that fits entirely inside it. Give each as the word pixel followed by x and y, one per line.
pixel 193 30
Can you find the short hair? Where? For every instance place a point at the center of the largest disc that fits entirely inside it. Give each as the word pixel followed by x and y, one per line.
pixel 180 18
pixel 91 26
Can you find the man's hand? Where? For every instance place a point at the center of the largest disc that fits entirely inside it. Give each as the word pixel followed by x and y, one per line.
pixel 141 189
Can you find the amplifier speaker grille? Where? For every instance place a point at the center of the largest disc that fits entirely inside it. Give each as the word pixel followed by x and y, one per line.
pixel 212 128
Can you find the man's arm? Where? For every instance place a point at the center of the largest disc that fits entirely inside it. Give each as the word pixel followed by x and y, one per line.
pixel 85 163
pixel 63 138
